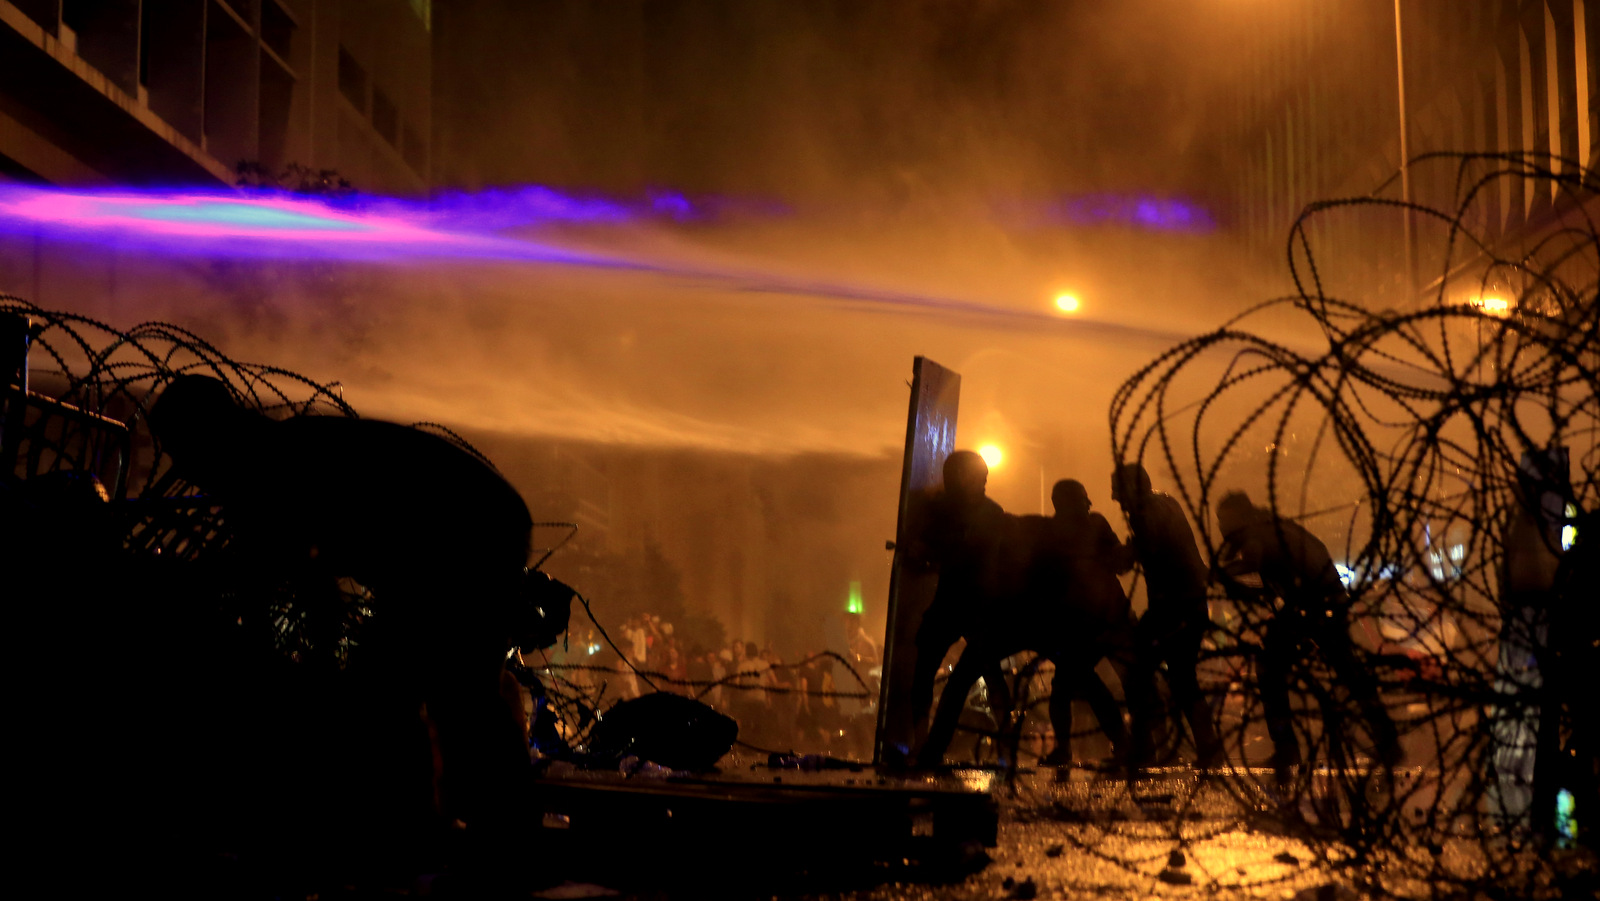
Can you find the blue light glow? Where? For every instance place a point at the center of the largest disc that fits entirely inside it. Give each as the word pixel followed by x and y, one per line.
pixel 494 226
pixel 218 212
pixel 1170 214
pixel 266 225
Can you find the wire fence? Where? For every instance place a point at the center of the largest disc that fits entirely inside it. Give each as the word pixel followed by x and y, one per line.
pixel 92 386
pixel 1448 450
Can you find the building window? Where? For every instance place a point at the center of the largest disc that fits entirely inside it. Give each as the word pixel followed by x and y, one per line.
pixel 385 118
pixel 352 80
pixel 77 15
pixel 277 29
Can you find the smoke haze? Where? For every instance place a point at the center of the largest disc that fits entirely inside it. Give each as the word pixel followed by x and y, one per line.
pixel 890 146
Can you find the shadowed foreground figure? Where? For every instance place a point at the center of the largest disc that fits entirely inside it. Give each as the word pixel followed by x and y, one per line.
pixel 1545 734
pixel 1052 591
pixel 1296 568
pixel 964 535
pixel 438 537
pixel 1575 653
pixel 1077 558
pixel 1176 618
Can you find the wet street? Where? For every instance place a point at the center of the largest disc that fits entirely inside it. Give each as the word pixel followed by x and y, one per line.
pixel 1171 835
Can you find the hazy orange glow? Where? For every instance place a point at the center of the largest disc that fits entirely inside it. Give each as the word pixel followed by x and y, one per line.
pixel 1067 303
pixel 991 454
pixel 1494 306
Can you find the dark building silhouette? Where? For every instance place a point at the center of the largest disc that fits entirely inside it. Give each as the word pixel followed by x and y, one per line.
pixel 179 92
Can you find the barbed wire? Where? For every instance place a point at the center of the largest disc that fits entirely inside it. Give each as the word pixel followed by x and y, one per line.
pixel 1443 430
pixel 576 705
pixel 113 376
pixel 90 415
pixel 739 680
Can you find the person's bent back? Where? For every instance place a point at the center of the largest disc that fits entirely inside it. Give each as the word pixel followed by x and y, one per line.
pixel 383 501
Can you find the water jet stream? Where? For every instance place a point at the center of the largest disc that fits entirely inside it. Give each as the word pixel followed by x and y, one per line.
pixel 237 225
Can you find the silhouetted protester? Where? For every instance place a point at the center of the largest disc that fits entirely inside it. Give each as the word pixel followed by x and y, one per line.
pixel 1077 558
pixel 1575 653
pixel 699 671
pixel 749 702
pixel 441 541
pixel 1547 647
pixel 1053 590
pixel 962 537
pixel 545 615
pixel 1296 568
pixel 1176 618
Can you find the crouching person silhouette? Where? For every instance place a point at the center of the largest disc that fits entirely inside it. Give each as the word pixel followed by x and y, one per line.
pixel 1296 570
pixel 1176 617
pixel 439 538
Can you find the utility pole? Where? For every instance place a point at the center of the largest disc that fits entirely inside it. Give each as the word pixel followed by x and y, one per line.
pixel 1405 156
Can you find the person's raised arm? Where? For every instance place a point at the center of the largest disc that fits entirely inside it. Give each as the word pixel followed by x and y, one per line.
pixel 1117 554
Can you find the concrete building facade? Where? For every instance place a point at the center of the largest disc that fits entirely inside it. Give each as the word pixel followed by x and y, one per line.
pixel 181 92
pixel 1313 112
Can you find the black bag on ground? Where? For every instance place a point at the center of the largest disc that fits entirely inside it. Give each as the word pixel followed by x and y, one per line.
pixel 664 728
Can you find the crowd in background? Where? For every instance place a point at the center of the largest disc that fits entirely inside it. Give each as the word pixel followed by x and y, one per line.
pixel 790 707
pixel 779 705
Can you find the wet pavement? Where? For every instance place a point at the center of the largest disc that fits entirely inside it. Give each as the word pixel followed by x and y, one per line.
pixel 1077 833
pixel 1169 836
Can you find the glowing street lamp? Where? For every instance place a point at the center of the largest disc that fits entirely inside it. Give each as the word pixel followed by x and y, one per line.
pixel 991 454
pixel 1494 306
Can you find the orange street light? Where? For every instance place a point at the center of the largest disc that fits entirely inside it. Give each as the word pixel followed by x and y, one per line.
pixel 991 454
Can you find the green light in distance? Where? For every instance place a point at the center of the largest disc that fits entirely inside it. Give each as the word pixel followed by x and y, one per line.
pixel 1566 819
pixel 854 605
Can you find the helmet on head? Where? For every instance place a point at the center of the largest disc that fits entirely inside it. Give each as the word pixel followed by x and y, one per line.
pixel 965 472
pixel 1234 510
pixel 1129 481
pixel 1069 496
